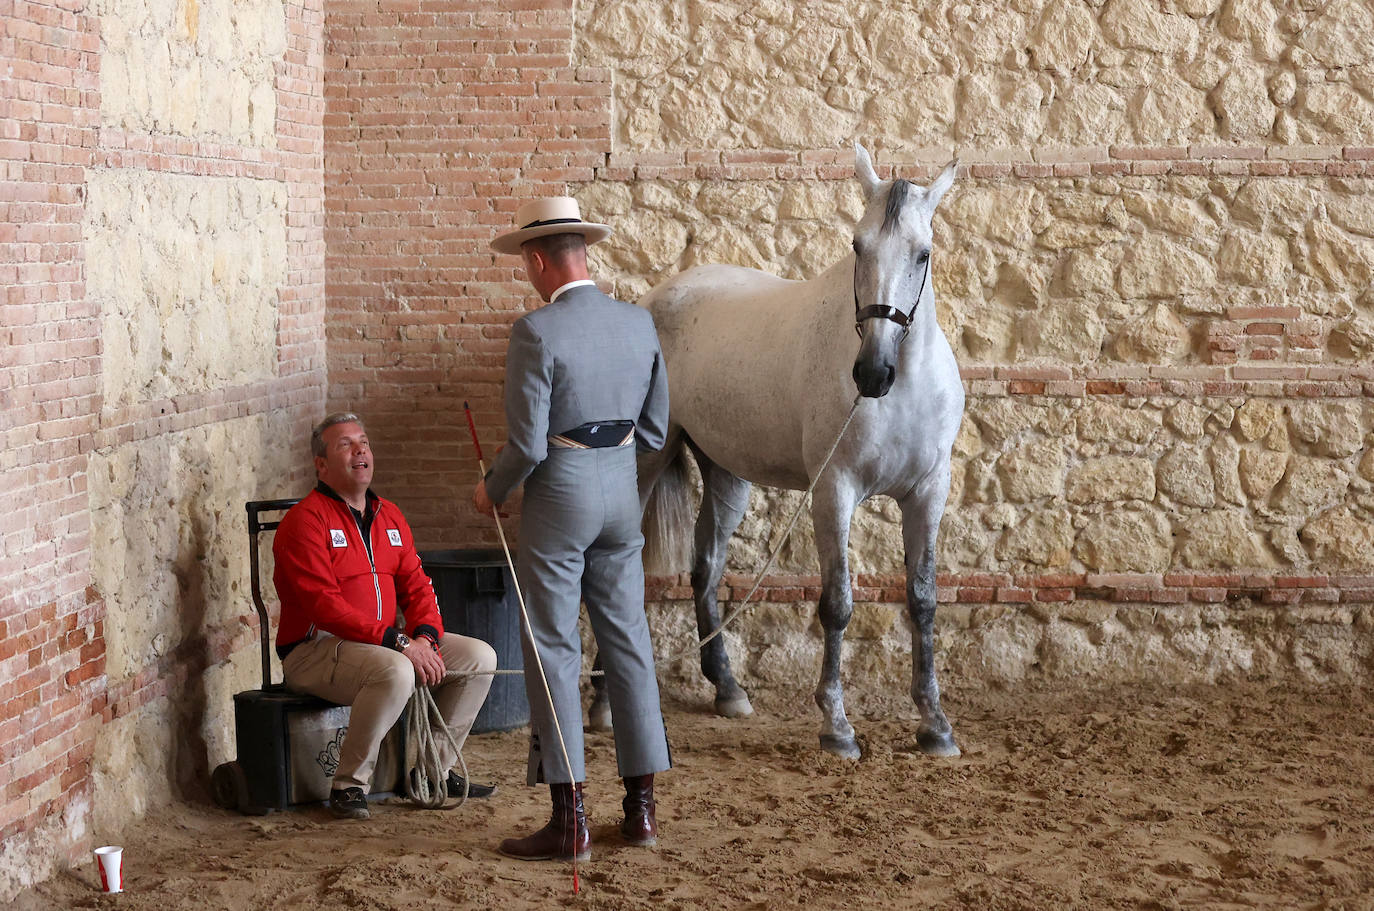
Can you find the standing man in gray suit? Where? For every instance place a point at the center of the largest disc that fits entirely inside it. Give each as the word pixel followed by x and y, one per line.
pixel 585 387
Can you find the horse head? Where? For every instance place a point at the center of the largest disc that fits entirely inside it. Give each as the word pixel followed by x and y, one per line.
pixel 891 267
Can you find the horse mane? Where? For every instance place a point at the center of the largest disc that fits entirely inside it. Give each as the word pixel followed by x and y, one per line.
pixel 896 198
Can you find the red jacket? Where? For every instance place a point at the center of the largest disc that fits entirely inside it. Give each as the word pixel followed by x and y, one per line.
pixel 327 581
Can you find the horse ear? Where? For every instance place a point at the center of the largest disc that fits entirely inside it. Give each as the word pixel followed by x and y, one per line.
pixel 940 185
pixel 863 169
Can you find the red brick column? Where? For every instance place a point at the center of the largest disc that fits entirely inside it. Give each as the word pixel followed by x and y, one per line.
pixel 51 645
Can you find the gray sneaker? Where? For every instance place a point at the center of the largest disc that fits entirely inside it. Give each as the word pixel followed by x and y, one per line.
pixel 348 803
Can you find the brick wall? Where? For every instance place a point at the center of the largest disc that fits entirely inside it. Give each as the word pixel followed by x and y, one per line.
pixel 58 701
pixel 51 647
pixel 441 118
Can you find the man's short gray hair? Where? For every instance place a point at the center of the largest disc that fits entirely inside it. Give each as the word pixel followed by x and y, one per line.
pixel 317 433
pixel 559 247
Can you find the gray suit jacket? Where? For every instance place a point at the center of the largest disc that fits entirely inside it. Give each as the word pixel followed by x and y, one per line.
pixel 584 357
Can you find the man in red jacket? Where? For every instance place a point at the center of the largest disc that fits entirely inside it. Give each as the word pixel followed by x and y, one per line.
pixel 345 564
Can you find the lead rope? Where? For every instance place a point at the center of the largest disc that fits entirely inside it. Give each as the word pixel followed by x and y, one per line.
pixel 758 580
pixel 796 514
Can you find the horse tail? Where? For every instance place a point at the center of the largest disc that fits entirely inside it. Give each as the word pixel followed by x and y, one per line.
pixel 667 520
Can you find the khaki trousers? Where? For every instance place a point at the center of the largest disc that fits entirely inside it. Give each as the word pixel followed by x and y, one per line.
pixel 377 682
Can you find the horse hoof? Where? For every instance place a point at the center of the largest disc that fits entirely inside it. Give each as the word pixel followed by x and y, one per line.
pixel 933 744
pixel 735 707
pixel 843 747
pixel 599 718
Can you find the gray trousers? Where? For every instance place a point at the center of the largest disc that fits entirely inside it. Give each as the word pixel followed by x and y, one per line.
pixel 580 541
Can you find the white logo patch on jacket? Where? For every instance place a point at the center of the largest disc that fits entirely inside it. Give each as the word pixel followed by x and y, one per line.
pixel 337 537
pixel 394 536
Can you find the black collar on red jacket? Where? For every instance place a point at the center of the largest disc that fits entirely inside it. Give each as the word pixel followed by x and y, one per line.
pixel 370 497
pixel 363 519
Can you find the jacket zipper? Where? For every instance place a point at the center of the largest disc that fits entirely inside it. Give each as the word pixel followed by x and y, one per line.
pixel 367 546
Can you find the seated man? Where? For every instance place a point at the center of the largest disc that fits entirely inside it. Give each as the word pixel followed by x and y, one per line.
pixel 345 561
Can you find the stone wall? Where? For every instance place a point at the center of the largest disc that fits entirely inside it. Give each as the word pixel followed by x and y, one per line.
pixel 162 251
pixel 1155 272
pixel 170 555
pixel 1016 76
pixel 186 270
pixel 1162 443
pixel 204 69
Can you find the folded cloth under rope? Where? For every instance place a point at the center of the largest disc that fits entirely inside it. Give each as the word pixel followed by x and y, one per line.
pixel 595 435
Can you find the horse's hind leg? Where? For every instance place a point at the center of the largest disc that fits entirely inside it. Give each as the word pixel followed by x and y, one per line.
pixel 724 501
pixel 599 712
pixel 831 513
pixel 921 511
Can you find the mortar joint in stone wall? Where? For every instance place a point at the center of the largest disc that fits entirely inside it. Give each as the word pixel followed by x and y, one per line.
pixel 1000 588
pixel 1066 163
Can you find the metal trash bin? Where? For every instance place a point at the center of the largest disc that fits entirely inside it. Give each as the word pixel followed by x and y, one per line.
pixel 477 598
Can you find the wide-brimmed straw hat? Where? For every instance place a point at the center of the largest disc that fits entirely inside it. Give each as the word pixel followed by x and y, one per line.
pixel 542 217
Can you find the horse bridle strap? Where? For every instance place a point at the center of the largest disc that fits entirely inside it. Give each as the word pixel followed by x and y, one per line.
pixel 882 311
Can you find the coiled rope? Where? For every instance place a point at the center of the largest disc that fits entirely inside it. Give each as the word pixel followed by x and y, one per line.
pixel 426 779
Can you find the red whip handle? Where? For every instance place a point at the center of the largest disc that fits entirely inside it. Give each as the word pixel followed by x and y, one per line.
pixel 473 427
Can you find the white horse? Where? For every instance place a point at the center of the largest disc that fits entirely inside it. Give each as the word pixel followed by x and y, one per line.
pixel 762 373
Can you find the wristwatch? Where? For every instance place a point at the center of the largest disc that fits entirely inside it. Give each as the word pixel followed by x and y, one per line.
pixel 402 642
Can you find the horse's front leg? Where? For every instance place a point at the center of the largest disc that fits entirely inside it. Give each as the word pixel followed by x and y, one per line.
pixel 921 512
pixel 831 512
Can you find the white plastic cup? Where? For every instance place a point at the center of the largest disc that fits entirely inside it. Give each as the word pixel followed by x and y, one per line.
pixel 110 859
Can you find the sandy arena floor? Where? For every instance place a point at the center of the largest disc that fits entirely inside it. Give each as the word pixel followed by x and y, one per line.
pixel 1239 797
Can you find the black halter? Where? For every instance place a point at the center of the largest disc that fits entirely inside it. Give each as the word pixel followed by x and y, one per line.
pixel 882 311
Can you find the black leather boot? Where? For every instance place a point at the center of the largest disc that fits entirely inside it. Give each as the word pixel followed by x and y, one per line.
pixel 640 826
